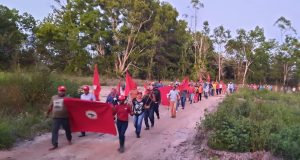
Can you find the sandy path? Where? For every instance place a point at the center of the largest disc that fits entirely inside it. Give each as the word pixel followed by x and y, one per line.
pixel 160 142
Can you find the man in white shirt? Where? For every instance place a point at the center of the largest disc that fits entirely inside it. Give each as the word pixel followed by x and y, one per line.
pixel 88 97
pixel 173 97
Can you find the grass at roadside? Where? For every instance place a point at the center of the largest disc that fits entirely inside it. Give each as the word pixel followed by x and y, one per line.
pixel 251 121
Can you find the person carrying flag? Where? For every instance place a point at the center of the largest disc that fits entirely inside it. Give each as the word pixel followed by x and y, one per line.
pixel 122 111
pixel 112 98
pixel 60 116
pixel 88 97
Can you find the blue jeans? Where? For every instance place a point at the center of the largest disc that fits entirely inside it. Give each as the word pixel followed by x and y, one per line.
pixel 137 121
pixel 122 127
pixel 149 114
pixel 177 104
pixel 183 99
pixel 191 98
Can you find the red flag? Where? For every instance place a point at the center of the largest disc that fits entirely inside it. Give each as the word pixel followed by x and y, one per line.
pixel 208 77
pixel 130 84
pixel 90 116
pixel 119 89
pixel 163 92
pixel 184 84
pixel 96 83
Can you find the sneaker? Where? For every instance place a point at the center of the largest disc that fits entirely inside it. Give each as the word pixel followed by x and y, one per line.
pixel 138 136
pixel 152 125
pixel 182 108
pixel 147 128
pixel 158 117
pixel 82 135
pixel 121 149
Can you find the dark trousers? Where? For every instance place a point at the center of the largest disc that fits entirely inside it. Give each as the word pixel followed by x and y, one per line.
pixel 156 109
pixel 183 99
pixel 200 96
pixel 122 127
pixel 149 114
pixel 57 123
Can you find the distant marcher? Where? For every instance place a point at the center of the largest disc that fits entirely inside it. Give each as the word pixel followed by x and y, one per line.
pixel 206 90
pixel 88 97
pixel 112 98
pixel 60 117
pixel 191 93
pixel 122 111
pixel 157 95
pixel 183 96
pixel 200 91
pixel 173 97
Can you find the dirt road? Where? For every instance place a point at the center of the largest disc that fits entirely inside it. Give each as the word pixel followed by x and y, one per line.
pixel 159 143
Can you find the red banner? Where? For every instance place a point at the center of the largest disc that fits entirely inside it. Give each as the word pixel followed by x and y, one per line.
pixel 90 116
pixel 163 92
pixel 96 83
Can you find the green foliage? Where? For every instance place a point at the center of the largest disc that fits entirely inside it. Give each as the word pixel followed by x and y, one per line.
pixel 256 120
pixel 24 98
pixel 6 138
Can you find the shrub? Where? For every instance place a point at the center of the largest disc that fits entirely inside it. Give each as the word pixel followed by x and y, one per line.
pixel 256 120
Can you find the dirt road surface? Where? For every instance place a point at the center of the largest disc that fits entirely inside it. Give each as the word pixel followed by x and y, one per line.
pixel 165 141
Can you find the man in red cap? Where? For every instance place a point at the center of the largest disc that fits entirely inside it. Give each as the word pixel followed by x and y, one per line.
pixel 60 116
pixel 88 97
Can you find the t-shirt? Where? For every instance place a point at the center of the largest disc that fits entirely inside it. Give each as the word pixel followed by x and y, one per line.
pixel 122 112
pixel 88 97
pixel 173 94
pixel 138 107
pixel 58 108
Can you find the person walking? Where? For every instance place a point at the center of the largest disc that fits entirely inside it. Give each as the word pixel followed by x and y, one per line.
pixel 112 98
pixel 200 91
pixel 122 111
pixel 138 107
pixel 183 96
pixel 173 96
pixel 60 116
pixel 149 109
pixel 88 97
pixel 157 98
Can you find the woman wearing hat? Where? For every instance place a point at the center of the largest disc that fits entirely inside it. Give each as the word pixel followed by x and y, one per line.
pixel 122 111
pixel 138 105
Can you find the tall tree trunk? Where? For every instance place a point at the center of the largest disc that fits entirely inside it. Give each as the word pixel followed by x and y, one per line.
pixel 245 72
pixel 220 67
pixel 285 73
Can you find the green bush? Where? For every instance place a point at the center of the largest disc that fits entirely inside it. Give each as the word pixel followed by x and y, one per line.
pixel 24 98
pixel 6 138
pixel 256 120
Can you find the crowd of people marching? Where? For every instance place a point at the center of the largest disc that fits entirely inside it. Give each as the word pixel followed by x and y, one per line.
pixel 143 106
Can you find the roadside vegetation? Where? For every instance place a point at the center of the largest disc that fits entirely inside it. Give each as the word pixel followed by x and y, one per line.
pixel 250 121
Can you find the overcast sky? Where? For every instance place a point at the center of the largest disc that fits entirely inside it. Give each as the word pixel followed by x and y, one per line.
pixel 232 14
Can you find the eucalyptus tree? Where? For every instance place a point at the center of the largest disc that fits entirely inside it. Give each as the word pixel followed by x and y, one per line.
pixel 245 47
pixel 220 38
pixel 286 54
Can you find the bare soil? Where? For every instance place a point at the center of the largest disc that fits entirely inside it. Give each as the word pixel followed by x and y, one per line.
pixel 169 139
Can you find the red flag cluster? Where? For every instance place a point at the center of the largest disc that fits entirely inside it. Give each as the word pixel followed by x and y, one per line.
pixel 130 84
pixel 90 116
pixel 163 92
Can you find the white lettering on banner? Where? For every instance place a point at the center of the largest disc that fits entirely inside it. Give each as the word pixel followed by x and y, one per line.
pixel 58 104
pixel 91 114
